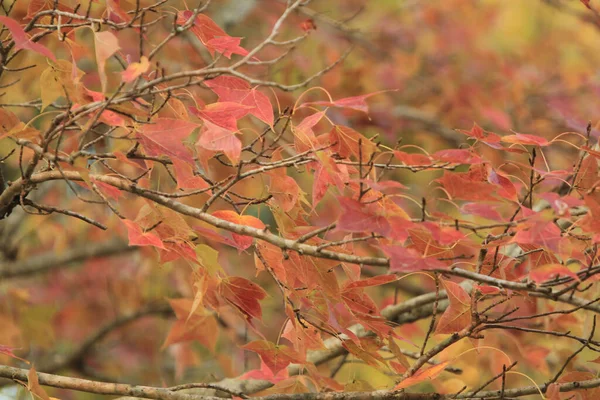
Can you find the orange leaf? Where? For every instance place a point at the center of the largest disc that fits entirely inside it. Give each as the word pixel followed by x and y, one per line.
pixel 429 373
pixel 137 237
pixel 242 241
pixel 244 295
pixel 135 69
pixel 276 357
pixel 458 314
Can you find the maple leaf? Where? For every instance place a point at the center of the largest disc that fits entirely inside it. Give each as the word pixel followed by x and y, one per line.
pixel 242 241
pixel 357 103
pixel 265 373
pixel 244 295
pixel 233 89
pixel 227 46
pixel 135 69
pixel 137 237
pixel 422 375
pixel 521 138
pixel 284 189
pixel 412 159
pixel 106 44
pixel 223 114
pixel 403 259
pixel 458 314
pixel 22 41
pixel 358 217
pixel 457 156
pixel 164 136
pixel 478 133
pixel 216 138
pixel 304 136
pixel 203 27
pixel 549 271
pixel 33 385
pixel 276 357
pixel 192 324
pixel 346 141
pixel 186 179
pixel 459 186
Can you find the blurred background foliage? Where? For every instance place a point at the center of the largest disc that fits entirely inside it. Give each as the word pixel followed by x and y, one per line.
pixel 529 66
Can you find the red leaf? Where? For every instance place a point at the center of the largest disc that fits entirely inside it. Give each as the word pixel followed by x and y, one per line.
pixel 203 27
pixel 364 218
pixel 6 350
pixel 232 89
pixel 21 39
pixel 549 271
pixel 244 295
pixel 521 138
pixel 420 376
pixel 507 189
pixel 186 179
pixel 216 138
pixel 347 143
pixel 223 114
pixel 309 25
pixel 412 159
pixel 242 241
pixel 457 156
pixel 586 3
pixel 357 103
pixel 276 357
pixel 487 211
pixel 109 190
pixel 458 185
pixel 458 314
pixel 164 136
pixel 137 237
pixel 304 136
pixel 403 259
pixel 227 45
pixel 478 133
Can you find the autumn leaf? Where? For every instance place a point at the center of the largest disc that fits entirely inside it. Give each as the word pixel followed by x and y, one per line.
pixel 222 114
pixel 403 259
pixel 363 218
pixel 137 237
pixel 216 138
pixel 357 103
pixel 192 324
pixel 186 179
pixel 233 89
pixel 33 385
pixel 276 357
pixel 135 69
pixel 458 314
pixel 348 142
pixel 22 41
pixel 227 46
pixel 244 295
pixel 422 375
pixel 478 133
pixel 164 137
pixel 521 138
pixel 547 272
pixel 106 44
